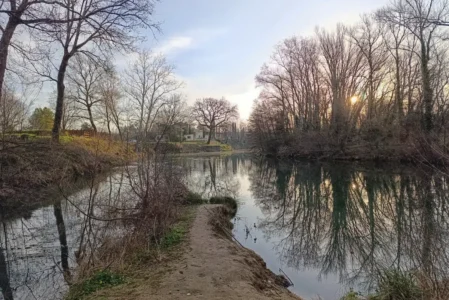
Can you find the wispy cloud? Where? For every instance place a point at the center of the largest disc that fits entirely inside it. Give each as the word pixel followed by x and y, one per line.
pixel 174 44
pixel 187 40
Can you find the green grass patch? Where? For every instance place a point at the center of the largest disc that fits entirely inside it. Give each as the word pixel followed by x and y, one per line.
pixel 173 237
pixel 65 139
pixel 98 281
pixel 178 232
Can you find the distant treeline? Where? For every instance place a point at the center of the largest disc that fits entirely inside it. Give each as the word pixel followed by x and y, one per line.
pixel 377 89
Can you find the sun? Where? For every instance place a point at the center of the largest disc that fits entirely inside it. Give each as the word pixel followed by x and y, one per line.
pixel 354 99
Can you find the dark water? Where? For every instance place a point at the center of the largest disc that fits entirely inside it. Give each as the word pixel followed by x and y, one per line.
pixel 332 227
pixel 37 250
pixel 329 227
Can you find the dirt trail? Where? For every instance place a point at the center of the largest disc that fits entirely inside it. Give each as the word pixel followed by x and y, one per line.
pixel 214 267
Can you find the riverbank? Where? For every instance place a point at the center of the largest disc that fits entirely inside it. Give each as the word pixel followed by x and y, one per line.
pixel 32 171
pixel 416 149
pixel 207 265
pixel 222 153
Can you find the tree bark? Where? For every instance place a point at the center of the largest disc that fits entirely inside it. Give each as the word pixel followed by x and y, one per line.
pixel 91 119
pixel 210 135
pixel 427 89
pixel 60 98
pixel 5 41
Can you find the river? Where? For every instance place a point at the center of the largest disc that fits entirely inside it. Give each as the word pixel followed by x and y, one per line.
pixel 329 227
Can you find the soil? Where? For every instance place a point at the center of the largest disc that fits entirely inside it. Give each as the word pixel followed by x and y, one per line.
pixel 214 267
pixel 33 172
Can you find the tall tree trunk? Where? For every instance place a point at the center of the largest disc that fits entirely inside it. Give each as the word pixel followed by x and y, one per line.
pixel 60 98
pixel 91 118
pixel 211 132
pixel 5 41
pixel 399 104
pixel 210 135
pixel 427 89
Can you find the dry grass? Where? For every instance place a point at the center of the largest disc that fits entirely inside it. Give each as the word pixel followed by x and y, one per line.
pixel 32 170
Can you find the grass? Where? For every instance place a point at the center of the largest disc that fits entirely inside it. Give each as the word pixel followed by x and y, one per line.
pixel 398 285
pixel 174 236
pixel 393 285
pixel 143 266
pixel 97 281
pixel 178 232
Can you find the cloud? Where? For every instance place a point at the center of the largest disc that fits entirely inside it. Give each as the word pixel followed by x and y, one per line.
pixel 244 101
pixel 187 40
pixel 174 44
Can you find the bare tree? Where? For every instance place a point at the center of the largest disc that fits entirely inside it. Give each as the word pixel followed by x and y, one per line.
pixel 422 19
pixel 84 86
pixel 213 113
pixel 13 111
pixel 343 68
pixel 149 83
pixel 22 12
pixel 110 99
pixel 173 113
pixel 99 24
pixel 367 36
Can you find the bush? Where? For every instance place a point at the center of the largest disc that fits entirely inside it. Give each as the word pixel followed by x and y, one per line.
pixel 228 201
pixel 351 296
pixel 398 285
pixel 194 198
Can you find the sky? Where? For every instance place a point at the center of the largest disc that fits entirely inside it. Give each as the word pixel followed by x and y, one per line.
pixel 219 46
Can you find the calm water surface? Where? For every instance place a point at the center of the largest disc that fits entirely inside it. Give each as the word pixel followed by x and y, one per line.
pixel 37 250
pixel 329 227
pixel 332 227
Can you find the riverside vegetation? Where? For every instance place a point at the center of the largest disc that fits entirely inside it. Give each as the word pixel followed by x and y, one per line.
pixel 376 90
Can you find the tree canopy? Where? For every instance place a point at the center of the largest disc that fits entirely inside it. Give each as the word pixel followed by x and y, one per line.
pixel 42 119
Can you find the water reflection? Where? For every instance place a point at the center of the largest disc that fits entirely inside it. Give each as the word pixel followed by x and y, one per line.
pixel 332 227
pixel 353 222
pixel 215 175
pixel 39 253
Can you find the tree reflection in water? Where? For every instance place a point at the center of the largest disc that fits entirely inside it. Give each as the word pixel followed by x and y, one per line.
pixel 214 175
pixel 354 222
pixel 38 251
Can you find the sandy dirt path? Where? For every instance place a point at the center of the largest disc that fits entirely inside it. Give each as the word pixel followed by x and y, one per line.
pixel 213 267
